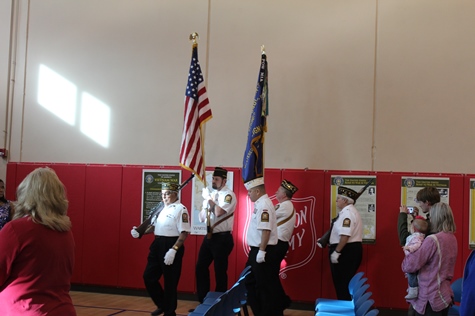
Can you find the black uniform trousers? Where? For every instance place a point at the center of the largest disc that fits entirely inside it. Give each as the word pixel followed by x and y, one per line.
pixel 281 248
pixel 347 266
pixel 262 283
pixel 216 249
pixel 165 298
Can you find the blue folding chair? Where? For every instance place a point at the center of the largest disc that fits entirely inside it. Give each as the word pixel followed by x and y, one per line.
pixel 233 299
pixel 238 297
pixel 457 289
pixel 332 305
pixel 241 295
pixel 355 283
pixel 364 308
pixel 358 300
pixel 360 311
pixel 208 310
pixel 372 312
pixel 242 275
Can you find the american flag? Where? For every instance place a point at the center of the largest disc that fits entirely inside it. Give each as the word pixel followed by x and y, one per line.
pixel 197 112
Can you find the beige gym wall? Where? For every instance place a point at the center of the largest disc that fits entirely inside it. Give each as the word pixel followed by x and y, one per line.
pixel 355 85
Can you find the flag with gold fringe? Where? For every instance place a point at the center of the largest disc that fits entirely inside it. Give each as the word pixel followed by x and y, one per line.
pixel 253 162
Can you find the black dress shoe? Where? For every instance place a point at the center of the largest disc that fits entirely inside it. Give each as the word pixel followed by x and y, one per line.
pixel 287 302
pixel 157 312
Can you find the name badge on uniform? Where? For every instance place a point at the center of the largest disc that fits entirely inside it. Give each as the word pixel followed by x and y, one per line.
pixel 265 216
pixel 184 217
pixel 346 222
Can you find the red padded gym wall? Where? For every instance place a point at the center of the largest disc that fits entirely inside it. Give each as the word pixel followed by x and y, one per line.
pixel 384 257
pixel 464 246
pixel 132 252
pixel 73 177
pixel 10 181
pixel 304 259
pixel 233 268
pixel 105 202
pixel 101 225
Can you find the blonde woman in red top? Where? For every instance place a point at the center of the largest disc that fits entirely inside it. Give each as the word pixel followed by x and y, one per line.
pixel 37 250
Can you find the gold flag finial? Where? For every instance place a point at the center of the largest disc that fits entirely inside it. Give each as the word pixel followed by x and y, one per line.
pixel 263 49
pixel 194 37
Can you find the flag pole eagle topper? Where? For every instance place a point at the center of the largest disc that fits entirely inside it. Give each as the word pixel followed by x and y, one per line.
pixel 194 37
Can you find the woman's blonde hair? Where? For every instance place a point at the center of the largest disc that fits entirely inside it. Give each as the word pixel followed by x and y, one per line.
pixel 441 218
pixel 42 197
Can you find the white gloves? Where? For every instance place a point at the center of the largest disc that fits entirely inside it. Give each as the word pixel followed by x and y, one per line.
pixel 134 232
pixel 334 256
pixel 170 256
pixel 261 256
pixel 205 194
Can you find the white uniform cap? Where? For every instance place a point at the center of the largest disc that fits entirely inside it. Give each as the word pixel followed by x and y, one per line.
pixel 254 183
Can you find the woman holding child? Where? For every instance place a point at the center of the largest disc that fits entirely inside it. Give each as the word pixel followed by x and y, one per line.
pixel 435 262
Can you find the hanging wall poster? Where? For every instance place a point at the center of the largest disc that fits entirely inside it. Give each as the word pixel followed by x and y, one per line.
pixel 366 203
pixel 198 228
pixel 152 187
pixel 471 233
pixel 411 185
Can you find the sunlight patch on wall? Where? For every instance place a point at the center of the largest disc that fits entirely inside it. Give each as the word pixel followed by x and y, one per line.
pixel 60 96
pixel 95 119
pixel 57 95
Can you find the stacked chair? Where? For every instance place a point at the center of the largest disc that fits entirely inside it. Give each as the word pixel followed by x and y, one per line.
pixel 360 305
pixel 227 303
pixel 457 289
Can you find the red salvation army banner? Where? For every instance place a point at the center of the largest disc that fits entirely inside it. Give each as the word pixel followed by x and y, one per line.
pixel 304 255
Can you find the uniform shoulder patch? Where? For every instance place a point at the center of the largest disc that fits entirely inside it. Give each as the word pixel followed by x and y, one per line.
pixel 346 222
pixel 184 217
pixel 265 216
pixel 228 198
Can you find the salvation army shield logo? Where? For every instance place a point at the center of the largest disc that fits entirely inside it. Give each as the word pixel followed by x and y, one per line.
pixel 302 245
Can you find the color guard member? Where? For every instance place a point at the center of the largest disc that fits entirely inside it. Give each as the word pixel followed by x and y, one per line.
pixel 218 244
pixel 285 214
pixel 172 226
pixel 263 282
pixel 346 248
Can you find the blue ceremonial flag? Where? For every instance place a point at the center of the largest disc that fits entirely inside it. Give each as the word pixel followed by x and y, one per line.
pixel 253 162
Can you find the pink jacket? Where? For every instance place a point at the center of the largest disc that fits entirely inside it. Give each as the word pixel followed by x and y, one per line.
pixel 435 261
pixel 413 242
